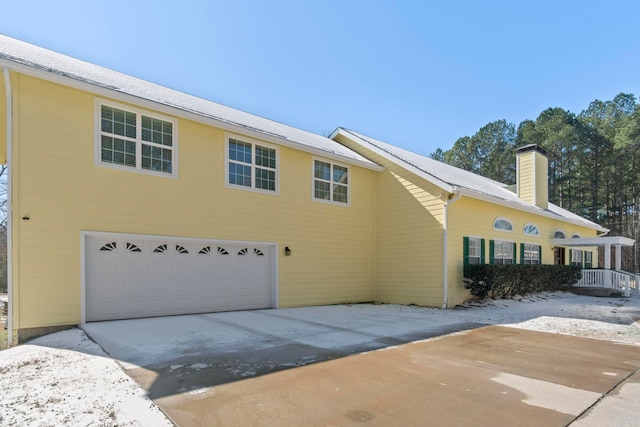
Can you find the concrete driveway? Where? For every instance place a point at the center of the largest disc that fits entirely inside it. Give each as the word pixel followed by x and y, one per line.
pixel 233 369
pixel 187 353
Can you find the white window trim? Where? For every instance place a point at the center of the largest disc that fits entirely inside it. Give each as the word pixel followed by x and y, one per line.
pixel 559 230
pixel 530 234
pixel 576 251
pixel 253 143
pixel 98 103
pixel 479 257
pixel 590 255
pixel 313 178
pixel 501 229
pixel 510 242
pixel 537 252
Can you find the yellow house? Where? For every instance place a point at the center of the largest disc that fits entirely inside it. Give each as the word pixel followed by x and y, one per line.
pixel 128 199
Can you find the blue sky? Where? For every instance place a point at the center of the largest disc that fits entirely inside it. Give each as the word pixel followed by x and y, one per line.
pixel 417 74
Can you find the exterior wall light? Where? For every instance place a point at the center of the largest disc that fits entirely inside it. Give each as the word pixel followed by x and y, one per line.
pixel 287 251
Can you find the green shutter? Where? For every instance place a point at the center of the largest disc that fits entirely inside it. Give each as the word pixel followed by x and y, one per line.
pixel 482 259
pixel 521 253
pixel 584 259
pixel 465 251
pixel 514 252
pixel 539 254
pixel 491 251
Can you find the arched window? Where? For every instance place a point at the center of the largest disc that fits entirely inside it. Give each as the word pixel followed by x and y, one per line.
pixel 531 229
pixel 559 234
pixel 575 236
pixel 502 224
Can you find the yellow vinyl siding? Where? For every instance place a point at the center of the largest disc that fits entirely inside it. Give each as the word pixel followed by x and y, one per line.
pixel 473 217
pixel 542 177
pixel 386 246
pixel 409 240
pixel 409 233
pixel 532 178
pixel 525 177
pixel 63 192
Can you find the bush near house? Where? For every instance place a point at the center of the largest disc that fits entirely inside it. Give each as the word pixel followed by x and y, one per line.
pixel 502 281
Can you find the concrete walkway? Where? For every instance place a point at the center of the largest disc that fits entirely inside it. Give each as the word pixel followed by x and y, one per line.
pixel 237 373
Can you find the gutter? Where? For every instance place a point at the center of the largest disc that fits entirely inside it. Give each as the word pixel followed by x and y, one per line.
pixel 445 247
pixel 9 98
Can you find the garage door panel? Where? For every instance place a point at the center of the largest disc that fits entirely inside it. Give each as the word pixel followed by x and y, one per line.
pixel 164 288
pixel 129 277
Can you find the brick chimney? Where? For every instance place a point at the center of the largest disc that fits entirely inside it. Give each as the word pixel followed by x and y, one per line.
pixel 532 174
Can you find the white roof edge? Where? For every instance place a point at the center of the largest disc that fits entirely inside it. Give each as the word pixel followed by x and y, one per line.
pixel 563 215
pixel 532 209
pixel 181 112
pixel 432 179
pixel 594 241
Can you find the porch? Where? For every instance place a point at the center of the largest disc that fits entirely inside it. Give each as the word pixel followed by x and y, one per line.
pixel 622 282
pixel 606 278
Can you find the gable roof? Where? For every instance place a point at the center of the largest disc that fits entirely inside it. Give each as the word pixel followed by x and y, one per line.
pixel 453 179
pixel 50 65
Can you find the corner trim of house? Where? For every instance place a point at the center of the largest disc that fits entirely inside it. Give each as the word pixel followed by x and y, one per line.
pixel 9 118
pixel 445 249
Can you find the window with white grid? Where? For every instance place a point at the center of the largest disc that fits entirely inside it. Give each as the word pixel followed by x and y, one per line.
pixel 576 257
pixel 475 250
pixel 588 259
pixel 531 253
pixel 132 139
pixel 502 252
pixel 251 165
pixel 330 182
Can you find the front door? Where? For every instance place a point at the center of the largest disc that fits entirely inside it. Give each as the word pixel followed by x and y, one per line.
pixel 559 256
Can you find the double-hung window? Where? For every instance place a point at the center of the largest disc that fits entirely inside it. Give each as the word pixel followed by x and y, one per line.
pixel 529 253
pixel 588 259
pixel 130 138
pixel 251 165
pixel 576 257
pixel 330 182
pixel 473 248
pixel 502 252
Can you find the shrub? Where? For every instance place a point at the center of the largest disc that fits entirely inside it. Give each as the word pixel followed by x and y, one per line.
pixel 503 281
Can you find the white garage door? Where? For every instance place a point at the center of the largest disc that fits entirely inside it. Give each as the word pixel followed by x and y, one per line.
pixel 128 277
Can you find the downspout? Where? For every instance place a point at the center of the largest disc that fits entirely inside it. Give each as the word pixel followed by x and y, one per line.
pixel 454 196
pixel 9 97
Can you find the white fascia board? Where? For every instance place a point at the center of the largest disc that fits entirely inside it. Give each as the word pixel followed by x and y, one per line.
pixel 594 241
pixel 336 132
pixel 408 166
pixel 181 112
pixel 529 209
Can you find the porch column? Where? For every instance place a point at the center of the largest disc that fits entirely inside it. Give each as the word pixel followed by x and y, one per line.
pixel 607 256
pixel 607 264
pixel 618 257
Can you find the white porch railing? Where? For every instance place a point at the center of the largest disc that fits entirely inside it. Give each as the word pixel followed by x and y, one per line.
pixel 627 283
pixel 634 284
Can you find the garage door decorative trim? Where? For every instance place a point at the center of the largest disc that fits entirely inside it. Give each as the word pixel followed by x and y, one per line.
pixel 104 254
